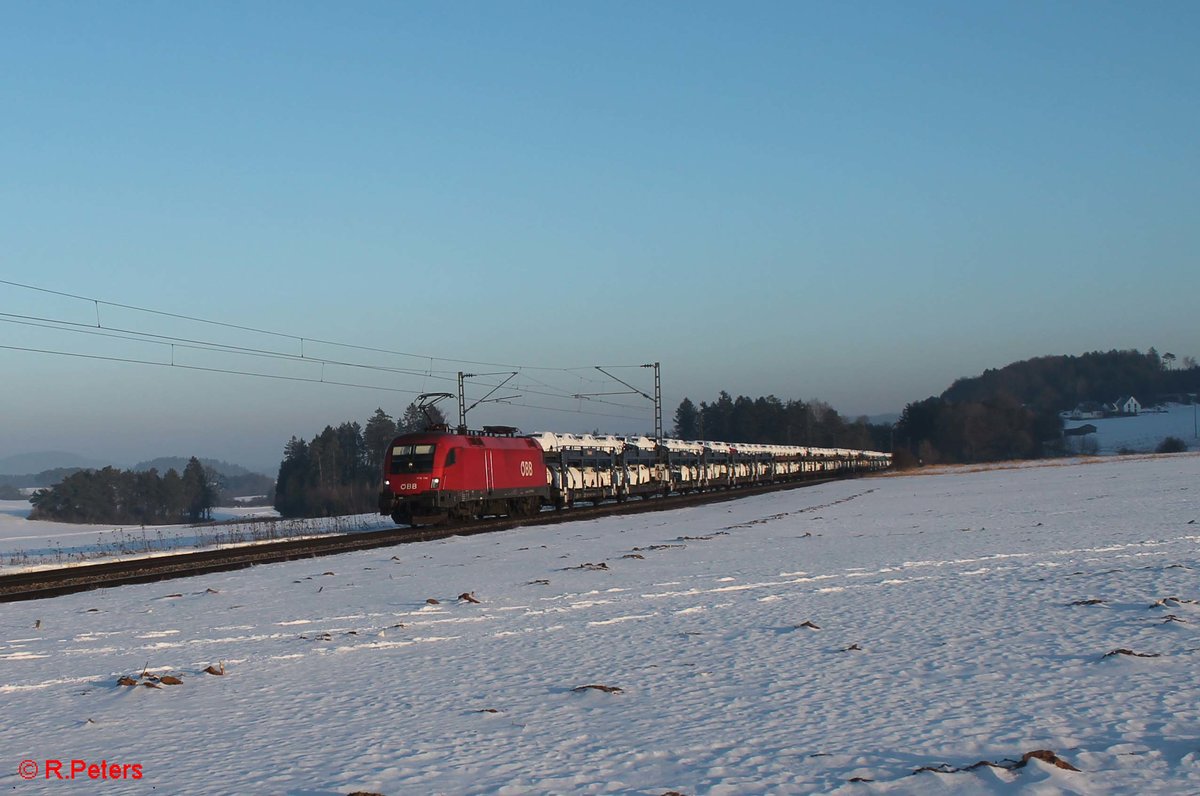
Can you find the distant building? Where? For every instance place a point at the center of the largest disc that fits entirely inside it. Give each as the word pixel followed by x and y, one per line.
pixel 1127 406
pixel 1088 410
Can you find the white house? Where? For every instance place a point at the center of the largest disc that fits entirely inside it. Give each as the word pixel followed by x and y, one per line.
pixel 1127 406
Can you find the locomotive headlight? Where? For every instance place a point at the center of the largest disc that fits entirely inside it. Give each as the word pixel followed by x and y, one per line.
pixel 387 482
pixel 435 483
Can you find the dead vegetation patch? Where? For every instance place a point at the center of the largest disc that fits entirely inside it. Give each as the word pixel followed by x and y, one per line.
pixel 1170 602
pixel 1095 601
pixel 468 597
pixel 1123 651
pixel 219 672
pixel 1045 755
pixel 608 689
pixel 539 582
pixel 806 623
pixel 634 555
pixel 601 567
pixel 148 679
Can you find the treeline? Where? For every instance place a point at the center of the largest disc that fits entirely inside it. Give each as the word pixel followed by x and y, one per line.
pixel 1055 383
pixel 937 431
pixel 338 471
pixel 768 420
pixel 232 480
pixel 128 497
pixel 229 480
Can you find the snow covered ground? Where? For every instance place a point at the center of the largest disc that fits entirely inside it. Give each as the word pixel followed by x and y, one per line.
pixel 37 544
pixel 1141 433
pixel 789 643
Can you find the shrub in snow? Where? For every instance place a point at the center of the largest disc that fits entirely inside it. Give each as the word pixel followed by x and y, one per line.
pixel 1171 445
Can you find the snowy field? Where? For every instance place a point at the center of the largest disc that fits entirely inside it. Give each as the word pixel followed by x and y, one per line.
pixel 789 643
pixel 1142 433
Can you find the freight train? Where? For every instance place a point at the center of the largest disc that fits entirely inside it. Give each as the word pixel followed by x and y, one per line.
pixel 445 475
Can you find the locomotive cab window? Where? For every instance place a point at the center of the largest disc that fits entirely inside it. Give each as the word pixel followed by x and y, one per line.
pixel 450 457
pixel 412 459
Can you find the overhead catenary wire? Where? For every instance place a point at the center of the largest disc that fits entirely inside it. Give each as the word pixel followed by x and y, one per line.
pixel 199 345
pixel 305 355
pixel 298 338
pixel 201 368
pixel 278 377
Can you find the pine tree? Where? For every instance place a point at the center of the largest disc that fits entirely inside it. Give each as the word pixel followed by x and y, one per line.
pixel 414 419
pixel 173 506
pixel 292 485
pixel 380 431
pixel 199 496
pixel 685 420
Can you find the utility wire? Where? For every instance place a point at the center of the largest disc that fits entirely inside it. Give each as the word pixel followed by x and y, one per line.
pixel 200 368
pixel 129 360
pixel 133 335
pixel 199 345
pixel 97 302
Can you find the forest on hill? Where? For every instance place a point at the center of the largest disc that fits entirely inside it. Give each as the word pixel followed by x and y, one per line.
pixel 1013 412
pixel 1057 383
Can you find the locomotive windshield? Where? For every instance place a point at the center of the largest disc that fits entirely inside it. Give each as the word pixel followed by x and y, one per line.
pixel 412 459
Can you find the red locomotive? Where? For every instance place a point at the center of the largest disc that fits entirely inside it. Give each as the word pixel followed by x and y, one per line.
pixel 434 476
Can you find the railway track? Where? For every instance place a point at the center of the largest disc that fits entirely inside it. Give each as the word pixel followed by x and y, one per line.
pixel 46 583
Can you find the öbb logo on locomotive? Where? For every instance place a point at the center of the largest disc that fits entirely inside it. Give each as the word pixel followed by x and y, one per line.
pixel 468 474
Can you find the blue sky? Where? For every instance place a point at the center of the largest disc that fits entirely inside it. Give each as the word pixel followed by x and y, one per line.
pixel 857 202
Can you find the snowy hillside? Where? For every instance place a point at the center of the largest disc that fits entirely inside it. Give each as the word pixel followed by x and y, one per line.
pixel 1141 433
pixel 836 638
